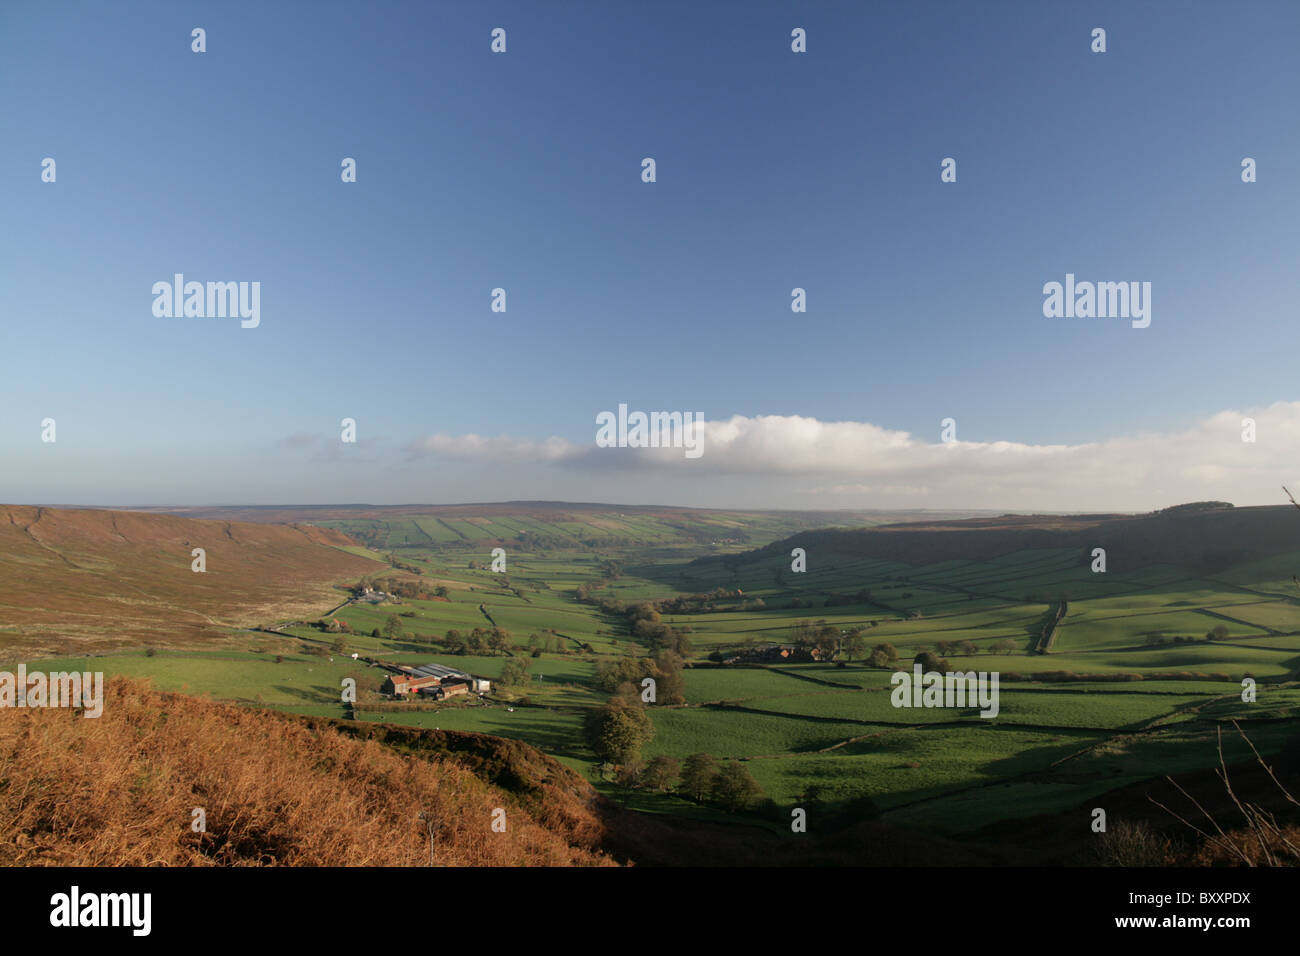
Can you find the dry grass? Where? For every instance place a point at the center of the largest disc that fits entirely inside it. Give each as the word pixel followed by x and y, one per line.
pixel 1135 843
pixel 1259 840
pixel 120 790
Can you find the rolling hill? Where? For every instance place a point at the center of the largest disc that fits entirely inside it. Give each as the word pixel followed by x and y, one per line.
pixel 81 581
pixel 1202 540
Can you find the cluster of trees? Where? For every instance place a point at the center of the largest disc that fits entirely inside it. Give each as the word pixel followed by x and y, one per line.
pixel 648 627
pixel 403 566
pixel 478 642
pixel 807 635
pixel 882 655
pixel 699 603
pixel 929 662
pixel 1158 639
pixel 494 640
pixel 514 673
pixel 956 647
pixel 623 677
pixel 886 655
pixel 701 777
pixel 547 641
pixel 617 731
pixel 645 622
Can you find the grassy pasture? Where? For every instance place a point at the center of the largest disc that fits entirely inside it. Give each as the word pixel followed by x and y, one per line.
pixel 820 725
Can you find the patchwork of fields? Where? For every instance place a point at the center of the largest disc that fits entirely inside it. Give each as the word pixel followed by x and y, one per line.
pixel 1135 685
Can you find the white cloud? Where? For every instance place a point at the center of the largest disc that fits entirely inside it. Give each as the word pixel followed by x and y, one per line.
pixel 503 448
pixel 855 464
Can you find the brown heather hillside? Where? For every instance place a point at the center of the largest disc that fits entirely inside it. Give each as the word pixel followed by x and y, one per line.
pixel 120 790
pixel 84 581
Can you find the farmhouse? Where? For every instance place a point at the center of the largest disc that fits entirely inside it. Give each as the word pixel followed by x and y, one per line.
pixel 778 654
pixel 433 680
pixel 401 684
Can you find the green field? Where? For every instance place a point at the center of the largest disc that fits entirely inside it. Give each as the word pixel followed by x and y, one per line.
pixel 1131 686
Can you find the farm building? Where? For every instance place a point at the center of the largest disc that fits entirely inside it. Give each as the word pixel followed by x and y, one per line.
pixel 399 684
pixel 433 677
pixel 443 691
pixel 368 593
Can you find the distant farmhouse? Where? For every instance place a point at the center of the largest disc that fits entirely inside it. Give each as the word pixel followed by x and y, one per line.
pixel 776 654
pixel 368 593
pixel 433 681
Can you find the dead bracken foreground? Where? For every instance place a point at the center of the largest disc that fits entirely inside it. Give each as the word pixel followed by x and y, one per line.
pixel 122 790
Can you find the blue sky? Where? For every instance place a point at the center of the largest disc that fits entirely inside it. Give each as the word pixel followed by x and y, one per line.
pixel 775 170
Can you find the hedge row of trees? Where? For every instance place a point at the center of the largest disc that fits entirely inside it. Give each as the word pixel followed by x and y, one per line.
pixel 699 603
pixel 645 622
pixel 1157 638
pixel 478 642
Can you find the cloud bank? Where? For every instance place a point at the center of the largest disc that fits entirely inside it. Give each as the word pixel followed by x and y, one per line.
pixel 856 464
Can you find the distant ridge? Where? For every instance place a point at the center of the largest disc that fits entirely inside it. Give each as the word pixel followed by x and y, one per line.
pixel 1204 537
